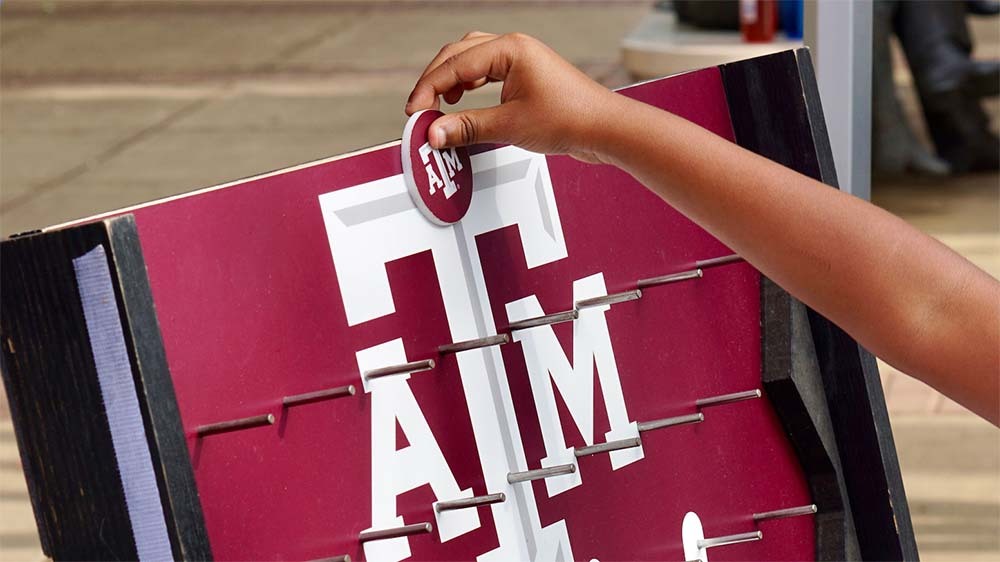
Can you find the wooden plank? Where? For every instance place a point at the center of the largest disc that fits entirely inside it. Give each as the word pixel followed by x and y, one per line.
pixel 50 379
pixel 794 386
pixel 72 458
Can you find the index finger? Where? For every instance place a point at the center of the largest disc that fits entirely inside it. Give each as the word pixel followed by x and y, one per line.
pixel 491 60
pixel 451 49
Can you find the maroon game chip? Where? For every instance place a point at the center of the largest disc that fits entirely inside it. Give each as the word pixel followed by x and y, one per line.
pixel 439 181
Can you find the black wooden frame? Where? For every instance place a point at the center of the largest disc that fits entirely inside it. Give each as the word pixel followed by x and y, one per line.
pixel 824 386
pixel 56 404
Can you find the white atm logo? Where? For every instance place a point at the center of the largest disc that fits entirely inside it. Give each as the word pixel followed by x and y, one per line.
pixel 448 164
pixel 373 224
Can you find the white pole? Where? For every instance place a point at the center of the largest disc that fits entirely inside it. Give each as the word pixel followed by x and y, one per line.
pixel 839 32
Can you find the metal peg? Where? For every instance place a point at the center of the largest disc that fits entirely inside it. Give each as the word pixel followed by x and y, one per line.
pixel 714 262
pixel 727 398
pixel 470 502
pixel 730 539
pixel 546 320
pixel 234 425
pixel 538 474
pixel 782 513
pixel 672 278
pixel 609 299
pixel 395 532
pixel 341 558
pixel 411 367
pixel 318 396
pixel 607 447
pixel 670 422
pixel 473 344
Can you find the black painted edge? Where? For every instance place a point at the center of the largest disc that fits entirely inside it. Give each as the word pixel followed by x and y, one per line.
pixel 775 111
pixel 817 120
pixel 898 519
pixel 747 103
pixel 887 448
pixel 161 414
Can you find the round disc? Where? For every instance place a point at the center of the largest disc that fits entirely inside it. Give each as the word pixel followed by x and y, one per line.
pixel 439 181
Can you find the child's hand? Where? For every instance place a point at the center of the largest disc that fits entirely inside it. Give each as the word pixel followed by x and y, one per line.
pixel 546 105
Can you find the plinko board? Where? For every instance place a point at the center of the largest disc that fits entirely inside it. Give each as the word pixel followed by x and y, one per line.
pixel 571 371
pixel 316 276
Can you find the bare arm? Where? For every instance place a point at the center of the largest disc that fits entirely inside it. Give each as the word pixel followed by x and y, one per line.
pixel 905 296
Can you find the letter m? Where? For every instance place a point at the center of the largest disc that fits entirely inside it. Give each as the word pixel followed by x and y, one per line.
pixel 452 161
pixel 549 369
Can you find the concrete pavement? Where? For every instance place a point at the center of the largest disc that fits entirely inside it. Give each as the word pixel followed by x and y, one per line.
pixel 110 107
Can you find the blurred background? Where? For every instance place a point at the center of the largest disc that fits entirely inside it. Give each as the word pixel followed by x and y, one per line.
pixel 106 104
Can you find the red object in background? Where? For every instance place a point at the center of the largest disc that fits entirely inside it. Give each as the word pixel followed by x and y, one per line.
pixel 758 20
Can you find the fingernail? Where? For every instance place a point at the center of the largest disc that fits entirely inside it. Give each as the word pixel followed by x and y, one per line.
pixel 437 136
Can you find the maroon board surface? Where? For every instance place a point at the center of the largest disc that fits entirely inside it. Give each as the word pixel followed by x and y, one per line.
pixel 301 280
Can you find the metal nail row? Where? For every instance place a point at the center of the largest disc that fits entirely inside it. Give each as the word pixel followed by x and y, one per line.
pixel 752 536
pixel 564 469
pixel 478 501
pixel 416 366
pixel 624 296
pixel 268 419
pixel 528 475
pixel 488 341
pixel 536 474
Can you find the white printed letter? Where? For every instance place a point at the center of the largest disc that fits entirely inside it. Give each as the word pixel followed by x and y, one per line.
pixel 395 472
pixel 548 366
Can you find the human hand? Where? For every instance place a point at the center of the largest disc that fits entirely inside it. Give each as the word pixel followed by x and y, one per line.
pixel 546 105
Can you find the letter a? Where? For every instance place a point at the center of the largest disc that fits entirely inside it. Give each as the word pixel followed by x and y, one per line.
pixel 396 472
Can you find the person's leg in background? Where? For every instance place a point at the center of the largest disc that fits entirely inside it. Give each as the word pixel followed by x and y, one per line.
pixel 938 47
pixel 895 148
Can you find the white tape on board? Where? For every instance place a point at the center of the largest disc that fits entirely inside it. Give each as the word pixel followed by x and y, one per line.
pixel 121 404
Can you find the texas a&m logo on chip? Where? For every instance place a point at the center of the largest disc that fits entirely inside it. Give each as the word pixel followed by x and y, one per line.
pixel 439 181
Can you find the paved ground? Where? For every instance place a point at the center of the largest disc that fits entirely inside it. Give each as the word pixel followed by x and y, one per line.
pixel 105 107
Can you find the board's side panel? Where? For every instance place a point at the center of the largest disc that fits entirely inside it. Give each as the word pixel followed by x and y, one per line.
pixel 782 134
pixel 857 402
pixel 793 384
pixel 71 368
pixel 52 386
pixel 161 417
pixel 769 117
pixel 854 390
pixel 776 113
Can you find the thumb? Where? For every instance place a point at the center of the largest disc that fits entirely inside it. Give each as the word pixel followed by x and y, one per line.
pixel 473 126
